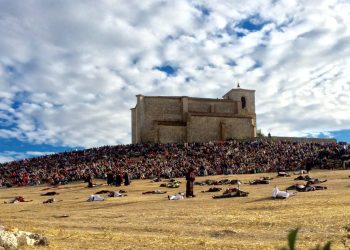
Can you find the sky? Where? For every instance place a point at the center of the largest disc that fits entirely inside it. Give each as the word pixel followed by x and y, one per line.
pixel 70 70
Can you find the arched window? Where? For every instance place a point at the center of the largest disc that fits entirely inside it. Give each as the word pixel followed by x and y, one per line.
pixel 244 102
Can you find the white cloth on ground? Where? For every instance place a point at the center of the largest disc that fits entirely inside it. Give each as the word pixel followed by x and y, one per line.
pixel 95 197
pixel 276 193
pixel 176 197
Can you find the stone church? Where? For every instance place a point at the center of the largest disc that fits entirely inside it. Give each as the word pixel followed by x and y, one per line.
pixel 169 119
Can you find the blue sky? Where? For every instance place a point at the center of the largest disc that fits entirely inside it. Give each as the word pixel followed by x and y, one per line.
pixel 70 70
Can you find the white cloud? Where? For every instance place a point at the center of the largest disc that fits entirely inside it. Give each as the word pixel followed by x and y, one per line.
pixel 79 64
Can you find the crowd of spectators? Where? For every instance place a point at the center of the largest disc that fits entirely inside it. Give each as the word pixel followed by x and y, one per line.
pixel 143 161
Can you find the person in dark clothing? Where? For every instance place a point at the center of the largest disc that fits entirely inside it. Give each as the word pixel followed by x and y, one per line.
pixel 103 192
pixel 89 180
pixel 309 164
pixel 50 193
pixel 190 177
pixel 118 179
pixel 212 189
pixel 126 179
pixel 231 192
pixel 110 178
pixel 259 181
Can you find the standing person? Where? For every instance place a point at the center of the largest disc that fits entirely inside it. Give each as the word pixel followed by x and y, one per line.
pixel 126 179
pixel 118 179
pixel 89 180
pixel 309 164
pixel 190 177
pixel 110 177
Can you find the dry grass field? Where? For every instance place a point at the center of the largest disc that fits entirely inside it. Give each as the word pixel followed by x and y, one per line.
pixel 153 222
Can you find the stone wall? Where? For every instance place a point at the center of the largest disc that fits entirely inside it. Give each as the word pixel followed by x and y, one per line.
pixel 171 134
pixel 205 128
pixel 199 105
pixel 239 128
pixel 133 125
pixel 224 107
pixel 159 109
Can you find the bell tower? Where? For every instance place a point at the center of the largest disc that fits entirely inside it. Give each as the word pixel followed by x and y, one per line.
pixel 245 99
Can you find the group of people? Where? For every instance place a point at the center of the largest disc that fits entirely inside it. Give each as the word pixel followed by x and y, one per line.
pixel 141 161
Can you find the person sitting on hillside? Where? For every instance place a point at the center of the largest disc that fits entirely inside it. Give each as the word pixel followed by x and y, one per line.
pixel 157 191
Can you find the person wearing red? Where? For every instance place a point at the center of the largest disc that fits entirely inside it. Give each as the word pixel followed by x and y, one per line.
pixel 190 177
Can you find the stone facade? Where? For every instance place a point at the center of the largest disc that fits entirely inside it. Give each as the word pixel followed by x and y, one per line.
pixel 168 119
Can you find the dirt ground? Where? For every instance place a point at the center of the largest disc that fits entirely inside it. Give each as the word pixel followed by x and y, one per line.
pixel 153 222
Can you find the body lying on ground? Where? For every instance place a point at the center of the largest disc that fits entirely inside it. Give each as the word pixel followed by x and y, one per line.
pixel 212 189
pixel 259 181
pixel 300 172
pixel 50 193
pixel 116 194
pixel 171 184
pixel 178 196
pixel 157 191
pixel 103 192
pixel 231 192
pixel 95 197
pixel 303 178
pixel 51 200
pixel 278 194
pixel 305 188
pixel 218 182
pixel 16 200
pixel 282 174
pixel 109 191
pixel 316 181
pixel 310 179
